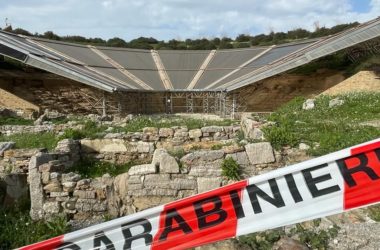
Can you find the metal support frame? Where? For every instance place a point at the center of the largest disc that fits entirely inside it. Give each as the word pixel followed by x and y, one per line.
pixel 189 103
pixel 208 102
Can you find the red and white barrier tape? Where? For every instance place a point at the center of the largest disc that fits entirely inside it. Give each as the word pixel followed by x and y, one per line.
pixel 320 187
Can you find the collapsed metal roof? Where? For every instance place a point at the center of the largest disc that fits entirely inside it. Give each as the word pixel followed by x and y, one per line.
pixel 121 69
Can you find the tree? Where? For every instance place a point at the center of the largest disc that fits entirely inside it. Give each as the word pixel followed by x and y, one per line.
pixel 226 43
pixel 21 32
pixel 50 35
pixel 243 38
pixel 8 28
pixel 117 42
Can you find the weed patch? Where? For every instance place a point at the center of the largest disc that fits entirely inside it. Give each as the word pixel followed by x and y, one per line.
pixel 231 169
pixel 14 121
pixel 177 153
pixel 18 229
pixel 31 140
pixel 90 168
pixel 374 213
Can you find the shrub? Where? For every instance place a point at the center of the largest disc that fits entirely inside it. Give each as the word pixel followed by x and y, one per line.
pixel 231 169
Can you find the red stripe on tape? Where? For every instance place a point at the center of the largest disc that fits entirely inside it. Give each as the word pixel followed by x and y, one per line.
pixel 365 148
pixel 200 219
pixel 362 178
pixel 45 245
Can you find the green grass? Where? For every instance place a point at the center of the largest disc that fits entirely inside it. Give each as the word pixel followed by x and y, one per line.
pixel 18 229
pixel 14 121
pixel 90 168
pixel 32 140
pixel 332 128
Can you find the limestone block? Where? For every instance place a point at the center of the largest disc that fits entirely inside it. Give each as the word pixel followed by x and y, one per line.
pixel 212 129
pixel 208 183
pixel 240 157
pixel 134 179
pixel 145 147
pixel 195 133
pixel 150 130
pixel 51 207
pixel 83 194
pixel 69 186
pixel 53 187
pixel 70 177
pixel 260 153
pixel 84 183
pixel 157 180
pixel 59 194
pixel 121 183
pixel 183 184
pixel 168 164
pixel 157 156
pixel 142 169
pixel 202 156
pixel 166 132
pixel 209 170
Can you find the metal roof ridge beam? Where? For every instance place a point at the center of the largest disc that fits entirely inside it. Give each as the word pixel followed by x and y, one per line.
pixel 201 70
pixel 240 67
pixel 120 68
pixel 81 63
pixel 161 70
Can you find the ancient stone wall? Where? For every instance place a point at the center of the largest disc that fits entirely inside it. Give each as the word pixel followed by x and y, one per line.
pixel 56 190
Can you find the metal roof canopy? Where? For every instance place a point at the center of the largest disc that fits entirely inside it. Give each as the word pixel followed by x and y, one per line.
pixel 123 69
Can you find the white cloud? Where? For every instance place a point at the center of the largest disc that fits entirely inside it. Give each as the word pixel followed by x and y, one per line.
pixel 167 19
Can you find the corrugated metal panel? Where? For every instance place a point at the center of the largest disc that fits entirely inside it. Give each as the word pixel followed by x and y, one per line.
pixel 88 57
pixel 224 62
pixel 181 66
pixel 268 58
pixel 138 62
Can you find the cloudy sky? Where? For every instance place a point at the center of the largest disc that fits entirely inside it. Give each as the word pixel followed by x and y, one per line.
pixel 180 19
